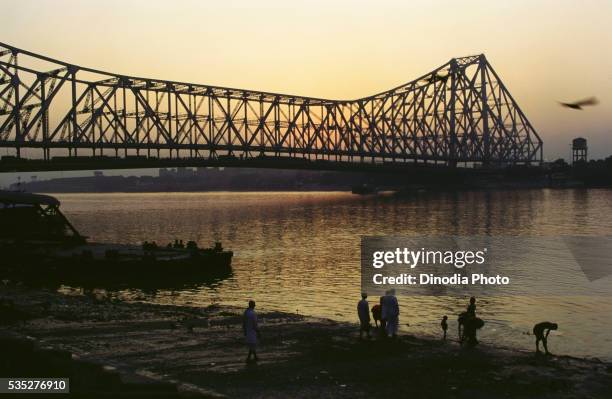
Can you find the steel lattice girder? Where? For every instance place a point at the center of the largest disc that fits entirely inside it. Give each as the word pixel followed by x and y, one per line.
pixel 459 112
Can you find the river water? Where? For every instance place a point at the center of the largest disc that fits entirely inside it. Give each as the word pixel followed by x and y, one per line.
pixel 300 251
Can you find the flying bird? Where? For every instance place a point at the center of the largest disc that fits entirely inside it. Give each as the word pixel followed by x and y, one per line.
pixel 438 76
pixel 581 103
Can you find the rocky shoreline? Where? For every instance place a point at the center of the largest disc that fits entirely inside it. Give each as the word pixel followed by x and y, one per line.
pixel 179 351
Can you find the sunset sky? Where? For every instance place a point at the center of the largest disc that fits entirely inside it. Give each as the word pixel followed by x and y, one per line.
pixel 544 51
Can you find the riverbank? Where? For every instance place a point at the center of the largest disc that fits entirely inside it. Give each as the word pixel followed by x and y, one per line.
pixel 200 351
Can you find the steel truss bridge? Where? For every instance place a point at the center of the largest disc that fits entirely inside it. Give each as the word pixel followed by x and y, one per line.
pixel 460 112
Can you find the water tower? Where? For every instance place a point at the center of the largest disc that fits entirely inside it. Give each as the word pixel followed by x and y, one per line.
pixel 579 150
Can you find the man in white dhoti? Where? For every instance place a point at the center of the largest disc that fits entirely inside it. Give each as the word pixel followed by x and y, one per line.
pixel 391 313
pixel 251 330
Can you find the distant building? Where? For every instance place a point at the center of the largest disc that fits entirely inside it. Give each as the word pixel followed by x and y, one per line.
pixel 579 150
pixel 184 172
pixel 202 170
pixel 163 172
pixel 98 173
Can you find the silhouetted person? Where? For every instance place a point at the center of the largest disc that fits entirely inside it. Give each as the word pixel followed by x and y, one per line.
pixel 460 322
pixel 471 309
pixel 390 312
pixel 470 326
pixel 538 331
pixel 383 320
pixel 444 325
pixel 376 313
pixel 363 311
pixel 470 313
pixel 251 330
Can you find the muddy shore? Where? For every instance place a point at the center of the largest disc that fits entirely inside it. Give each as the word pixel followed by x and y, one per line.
pixel 201 352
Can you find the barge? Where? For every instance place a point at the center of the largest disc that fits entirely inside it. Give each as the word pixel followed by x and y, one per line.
pixel 39 245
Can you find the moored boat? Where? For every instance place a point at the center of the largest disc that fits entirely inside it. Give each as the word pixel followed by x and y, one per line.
pixel 39 244
pixel 364 189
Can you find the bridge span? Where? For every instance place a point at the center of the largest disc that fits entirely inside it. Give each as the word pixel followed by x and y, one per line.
pixel 53 113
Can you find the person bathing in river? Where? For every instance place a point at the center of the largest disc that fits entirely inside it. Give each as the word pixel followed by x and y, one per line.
pixel 444 325
pixel 470 326
pixel 471 309
pixel 251 330
pixel 538 331
pixel 390 312
pixel 363 311
pixel 470 313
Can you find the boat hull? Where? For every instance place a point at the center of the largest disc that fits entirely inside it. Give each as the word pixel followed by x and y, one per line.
pixel 117 266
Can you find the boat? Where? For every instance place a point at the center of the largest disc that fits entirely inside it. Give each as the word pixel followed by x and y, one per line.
pixel 364 189
pixel 38 244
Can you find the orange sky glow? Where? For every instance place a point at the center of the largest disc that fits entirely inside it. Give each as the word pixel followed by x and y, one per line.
pixel 544 51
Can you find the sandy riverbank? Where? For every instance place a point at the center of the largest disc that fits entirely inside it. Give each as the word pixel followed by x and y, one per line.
pixel 201 351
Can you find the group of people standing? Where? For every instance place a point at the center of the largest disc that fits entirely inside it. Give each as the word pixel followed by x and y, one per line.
pixel 386 318
pixel 386 312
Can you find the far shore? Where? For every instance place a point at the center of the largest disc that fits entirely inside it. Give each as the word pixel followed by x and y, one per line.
pixel 201 352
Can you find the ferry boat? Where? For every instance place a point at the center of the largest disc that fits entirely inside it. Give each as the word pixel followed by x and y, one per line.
pixel 38 244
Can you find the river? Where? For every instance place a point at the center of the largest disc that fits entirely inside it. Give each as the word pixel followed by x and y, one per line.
pixel 300 251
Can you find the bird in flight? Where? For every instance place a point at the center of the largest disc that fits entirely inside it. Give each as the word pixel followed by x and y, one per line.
pixel 581 103
pixel 435 77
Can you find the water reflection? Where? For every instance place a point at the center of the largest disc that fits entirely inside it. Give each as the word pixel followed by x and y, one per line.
pixel 300 251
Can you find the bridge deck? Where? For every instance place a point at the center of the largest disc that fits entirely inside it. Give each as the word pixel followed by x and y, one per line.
pixel 459 112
